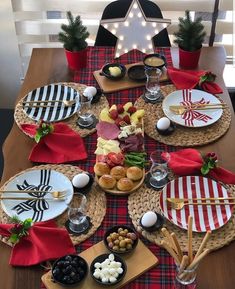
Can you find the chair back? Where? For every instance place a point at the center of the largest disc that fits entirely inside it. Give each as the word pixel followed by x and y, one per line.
pixel 118 9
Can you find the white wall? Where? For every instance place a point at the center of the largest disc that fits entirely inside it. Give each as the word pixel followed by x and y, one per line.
pixel 10 68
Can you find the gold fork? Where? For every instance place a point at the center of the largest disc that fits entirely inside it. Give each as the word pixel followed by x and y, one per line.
pixel 55 194
pixel 59 198
pixel 180 200
pixel 180 205
pixel 45 103
pixel 181 110
pixel 196 105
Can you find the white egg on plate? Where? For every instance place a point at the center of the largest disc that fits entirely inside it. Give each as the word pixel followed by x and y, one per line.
pixel 80 181
pixel 89 91
pixel 149 219
pixel 163 123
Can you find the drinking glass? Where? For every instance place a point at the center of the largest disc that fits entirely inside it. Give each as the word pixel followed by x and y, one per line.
pixel 85 113
pixel 185 278
pixel 158 170
pixel 152 84
pixel 78 221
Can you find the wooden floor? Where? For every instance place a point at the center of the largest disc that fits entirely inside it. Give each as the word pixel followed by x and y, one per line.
pixel 6 122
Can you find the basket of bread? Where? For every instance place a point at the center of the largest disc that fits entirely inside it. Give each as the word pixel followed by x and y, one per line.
pixel 120 156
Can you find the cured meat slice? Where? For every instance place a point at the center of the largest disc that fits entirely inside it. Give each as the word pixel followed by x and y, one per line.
pixel 132 143
pixel 107 130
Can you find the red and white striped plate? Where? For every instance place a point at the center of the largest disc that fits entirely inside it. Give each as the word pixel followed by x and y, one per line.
pixel 205 217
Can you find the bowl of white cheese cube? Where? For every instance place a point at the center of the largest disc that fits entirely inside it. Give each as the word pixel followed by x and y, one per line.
pixel 108 269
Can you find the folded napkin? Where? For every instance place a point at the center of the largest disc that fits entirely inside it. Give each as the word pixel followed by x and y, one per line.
pixel 190 161
pixel 188 79
pixel 61 146
pixel 45 241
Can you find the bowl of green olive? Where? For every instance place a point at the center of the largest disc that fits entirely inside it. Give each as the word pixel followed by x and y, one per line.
pixel 120 239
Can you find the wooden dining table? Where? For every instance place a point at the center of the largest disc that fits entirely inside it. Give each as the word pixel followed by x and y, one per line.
pixel 48 65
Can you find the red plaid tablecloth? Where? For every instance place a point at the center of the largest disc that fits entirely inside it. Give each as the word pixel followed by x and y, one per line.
pixel 117 213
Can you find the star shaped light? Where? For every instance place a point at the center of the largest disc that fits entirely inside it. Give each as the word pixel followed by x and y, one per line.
pixel 135 30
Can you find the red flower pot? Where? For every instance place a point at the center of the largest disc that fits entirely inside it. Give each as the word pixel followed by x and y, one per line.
pixel 189 59
pixel 76 59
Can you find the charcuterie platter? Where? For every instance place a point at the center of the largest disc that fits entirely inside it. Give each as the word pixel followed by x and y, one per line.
pixel 120 155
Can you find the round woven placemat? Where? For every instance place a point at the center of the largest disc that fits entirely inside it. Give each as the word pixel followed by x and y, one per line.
pixel 96 203
pixel 182 136
pixel 22 118
pixel 146 199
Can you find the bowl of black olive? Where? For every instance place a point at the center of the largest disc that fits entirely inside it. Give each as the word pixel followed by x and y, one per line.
pixel 69 270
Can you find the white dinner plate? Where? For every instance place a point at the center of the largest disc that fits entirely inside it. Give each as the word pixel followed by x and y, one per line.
pixel 205 217
pixel 192 118
pixel 51 112
pixel 37 210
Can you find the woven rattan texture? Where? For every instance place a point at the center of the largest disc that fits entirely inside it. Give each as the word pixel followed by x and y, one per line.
pixel 22 118
pixel 146 199
pixel 182 136
pixel 96 207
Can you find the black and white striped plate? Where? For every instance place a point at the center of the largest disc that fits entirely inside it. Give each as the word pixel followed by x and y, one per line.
pixel 41 209
pixel 52 112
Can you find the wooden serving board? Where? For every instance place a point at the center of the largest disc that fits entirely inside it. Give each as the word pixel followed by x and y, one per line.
pixel 136 265
pixel 108 85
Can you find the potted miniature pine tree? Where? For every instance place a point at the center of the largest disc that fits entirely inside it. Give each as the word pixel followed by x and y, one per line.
pixel 189 38
pixel 74 37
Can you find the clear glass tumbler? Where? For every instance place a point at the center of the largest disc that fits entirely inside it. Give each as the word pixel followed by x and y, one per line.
pixel 78 221
pixel 185 278
pixel 85 114
pixel 152 84
pixel 158 170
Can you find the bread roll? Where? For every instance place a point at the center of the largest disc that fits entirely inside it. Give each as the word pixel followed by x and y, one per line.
pixel 125 184
pixel 134 173
pixel 101 169
pixel 107 182
pixel 118 172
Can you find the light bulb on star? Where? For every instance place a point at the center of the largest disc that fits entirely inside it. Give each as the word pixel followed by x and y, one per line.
pixel 135 30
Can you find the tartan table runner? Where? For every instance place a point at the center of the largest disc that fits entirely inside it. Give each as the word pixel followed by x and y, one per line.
pixel 162 276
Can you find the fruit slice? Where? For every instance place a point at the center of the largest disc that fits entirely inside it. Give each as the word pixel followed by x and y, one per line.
pixel 113 114
pixel 120 108
pixel 127 120
pixel 113 107
pixel 127 105
pixel 104 115
pixel 131 109
pixel 136 116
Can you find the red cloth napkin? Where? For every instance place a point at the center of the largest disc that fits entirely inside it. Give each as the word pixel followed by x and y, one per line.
pixel 188 79
pixel 45 241
pixel 189 162
pixel 61 146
